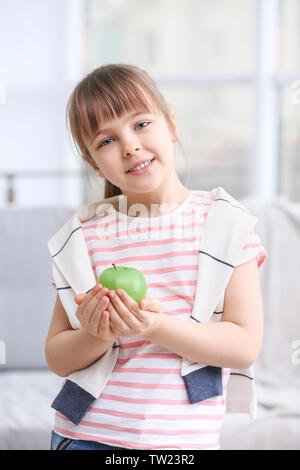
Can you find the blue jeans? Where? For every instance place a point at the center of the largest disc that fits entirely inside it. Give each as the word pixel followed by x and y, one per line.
pixel 65 443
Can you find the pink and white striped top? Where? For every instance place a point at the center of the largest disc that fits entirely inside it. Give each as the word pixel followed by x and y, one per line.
pixel 144 404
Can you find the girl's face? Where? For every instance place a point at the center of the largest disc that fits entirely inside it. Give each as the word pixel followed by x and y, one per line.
pixel 122 143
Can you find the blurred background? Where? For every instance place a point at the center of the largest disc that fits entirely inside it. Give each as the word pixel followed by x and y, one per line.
pixel 231 71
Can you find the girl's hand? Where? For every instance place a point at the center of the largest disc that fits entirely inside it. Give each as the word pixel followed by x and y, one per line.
pixel 92 315
pixel 127 318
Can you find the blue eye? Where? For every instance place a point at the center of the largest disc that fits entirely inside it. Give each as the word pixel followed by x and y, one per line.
pixel 143 122
pixel 103 143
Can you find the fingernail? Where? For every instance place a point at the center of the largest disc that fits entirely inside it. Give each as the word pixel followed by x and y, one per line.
pixel 112 294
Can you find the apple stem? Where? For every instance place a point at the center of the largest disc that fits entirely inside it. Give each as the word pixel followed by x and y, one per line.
pixel 114 266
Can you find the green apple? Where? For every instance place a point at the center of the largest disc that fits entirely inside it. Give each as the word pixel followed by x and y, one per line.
pixel 131 280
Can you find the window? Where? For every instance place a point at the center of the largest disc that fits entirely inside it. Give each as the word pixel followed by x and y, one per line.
pixel 289 87
pixel 220 65
pixel 230 69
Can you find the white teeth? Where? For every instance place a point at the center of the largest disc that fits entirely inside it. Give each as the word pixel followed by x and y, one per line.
pixel 141 166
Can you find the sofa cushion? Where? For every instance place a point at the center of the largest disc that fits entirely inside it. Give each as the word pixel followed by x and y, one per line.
pixel 27 296
pixel 27 418
pixel 276 371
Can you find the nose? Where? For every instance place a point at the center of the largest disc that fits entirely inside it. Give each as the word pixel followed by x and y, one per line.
pixel 130 149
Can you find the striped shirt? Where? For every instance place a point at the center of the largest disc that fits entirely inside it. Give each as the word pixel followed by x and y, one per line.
pixel 144 404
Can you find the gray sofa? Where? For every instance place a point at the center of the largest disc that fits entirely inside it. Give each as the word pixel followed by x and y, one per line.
pixel 27 387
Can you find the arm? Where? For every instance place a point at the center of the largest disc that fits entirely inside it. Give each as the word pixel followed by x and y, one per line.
pixel 234 342
pixel 69 350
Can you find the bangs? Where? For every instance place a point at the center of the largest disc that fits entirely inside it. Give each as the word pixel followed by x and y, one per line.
pixel 97 103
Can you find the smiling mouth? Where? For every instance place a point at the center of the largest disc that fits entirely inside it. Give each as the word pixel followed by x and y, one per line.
pixel 132 170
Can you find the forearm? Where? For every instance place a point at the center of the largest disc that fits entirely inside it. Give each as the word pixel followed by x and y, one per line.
pixel 220 344
pixel 73 350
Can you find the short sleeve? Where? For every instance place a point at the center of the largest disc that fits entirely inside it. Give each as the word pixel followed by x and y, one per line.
pixel 252 248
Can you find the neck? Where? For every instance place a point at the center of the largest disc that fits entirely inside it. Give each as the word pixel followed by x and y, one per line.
pixel 154 203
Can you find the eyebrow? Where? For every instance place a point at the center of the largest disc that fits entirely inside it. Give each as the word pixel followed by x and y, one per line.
pixel 101 131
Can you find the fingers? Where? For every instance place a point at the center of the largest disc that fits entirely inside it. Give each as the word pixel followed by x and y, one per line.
pixel 88 305
pixel 122 317
pixel 93 313
pixel 152 305
pixel 97 302
pixel 131 304
pixel 103 326
pixel 99 312
pixel 99 322
pixel 79 298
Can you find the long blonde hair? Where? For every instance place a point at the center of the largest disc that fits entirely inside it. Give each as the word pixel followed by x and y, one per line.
pixel 107 93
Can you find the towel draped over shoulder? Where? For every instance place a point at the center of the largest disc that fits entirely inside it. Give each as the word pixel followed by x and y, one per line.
pixel 227 225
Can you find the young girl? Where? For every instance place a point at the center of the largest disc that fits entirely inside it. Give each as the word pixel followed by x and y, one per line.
pixel 153 374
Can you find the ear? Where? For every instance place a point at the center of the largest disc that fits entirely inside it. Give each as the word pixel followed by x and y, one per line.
pixel 174 133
